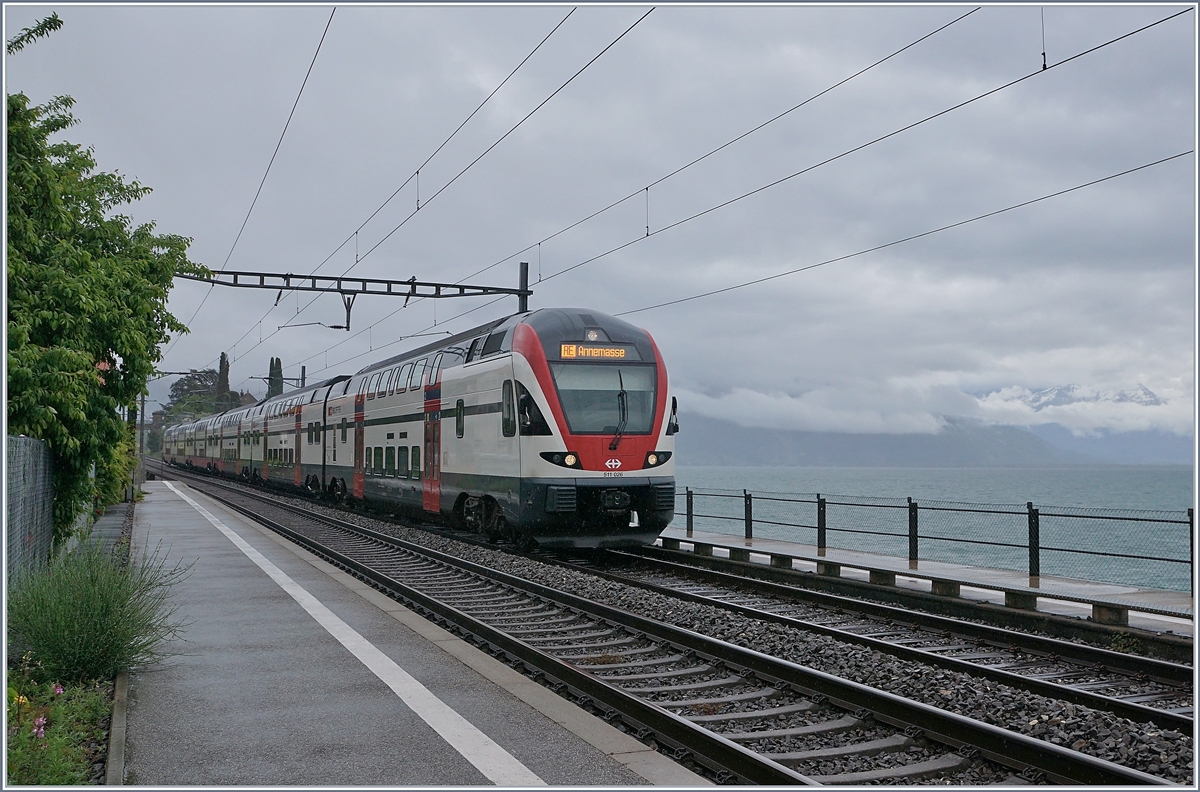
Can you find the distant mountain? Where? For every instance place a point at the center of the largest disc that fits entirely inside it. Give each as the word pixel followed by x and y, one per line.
pixel 710 441
pixel 1149 447
pixel 1070 394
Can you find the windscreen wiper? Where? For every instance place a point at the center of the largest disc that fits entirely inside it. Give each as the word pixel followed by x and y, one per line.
pixel 622 412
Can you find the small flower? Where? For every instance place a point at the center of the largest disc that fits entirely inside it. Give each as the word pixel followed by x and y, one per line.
pixel 58 689
pixel 39 726
pixel 22 700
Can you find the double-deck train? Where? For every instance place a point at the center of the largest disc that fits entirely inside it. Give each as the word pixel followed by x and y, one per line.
pixel 551 427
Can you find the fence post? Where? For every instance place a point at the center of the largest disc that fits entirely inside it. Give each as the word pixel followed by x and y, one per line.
pixel 749 514
pixel 1191 548
pixel 912 531
pixel 689 511
pixel 820 524
pixel 1035 542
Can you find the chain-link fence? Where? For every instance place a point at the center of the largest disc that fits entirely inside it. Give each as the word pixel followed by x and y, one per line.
pixel 1124 546
pixel 30 513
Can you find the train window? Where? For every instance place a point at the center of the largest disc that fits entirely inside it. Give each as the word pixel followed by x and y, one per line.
pixel 402 380
pixel 492 345
pixel 473 350
pixel 529 414
pixel 343 427
pixel 414 382
pixel 385 384
pixel 402 462
pixel 362 386
pixel 460 414
pixel 367 460
pixel 508 423
pixel 373 387
pixel 378 460
pixel 435 368
pixel 389 461
pixel 416 463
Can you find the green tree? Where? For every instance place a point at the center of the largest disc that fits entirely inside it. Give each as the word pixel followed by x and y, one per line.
pixel 275 378
pixel 223 375
pixel 87 294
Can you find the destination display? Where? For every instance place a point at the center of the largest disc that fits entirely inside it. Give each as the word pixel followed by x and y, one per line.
pixel 596 352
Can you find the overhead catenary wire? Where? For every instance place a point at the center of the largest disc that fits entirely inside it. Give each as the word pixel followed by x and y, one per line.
pixel 1014 82
pixel 263 181
pixel 859 147
pixel 909 238
pixel 640 238
pixel 682 168
pixel 489 149
pixel 417 173
pixel 724 145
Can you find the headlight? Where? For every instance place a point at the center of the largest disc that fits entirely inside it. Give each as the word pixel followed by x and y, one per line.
pixel 656 458
pixel 564 458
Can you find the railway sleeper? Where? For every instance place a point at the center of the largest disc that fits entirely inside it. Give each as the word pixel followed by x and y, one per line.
pixel 682 672
pixel 761 693
pixel 892 744
pixel 929 767
pixel 653 661
pixel 705 685
pixel 773 712
pixel 624 640
pixel 844 723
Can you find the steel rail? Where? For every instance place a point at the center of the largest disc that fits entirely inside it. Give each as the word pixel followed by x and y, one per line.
pixel 1099 658
pixel 1011 749
pixel 1164 670
pixel 708 748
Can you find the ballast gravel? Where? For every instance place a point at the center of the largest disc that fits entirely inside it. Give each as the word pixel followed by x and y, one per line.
pixel 1164 753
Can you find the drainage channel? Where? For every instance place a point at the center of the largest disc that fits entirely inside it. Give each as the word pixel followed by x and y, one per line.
pixel 742 715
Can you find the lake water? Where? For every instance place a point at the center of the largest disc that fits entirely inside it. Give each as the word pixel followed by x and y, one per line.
pixel 874 500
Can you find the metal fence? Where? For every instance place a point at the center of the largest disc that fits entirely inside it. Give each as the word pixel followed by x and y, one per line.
pixel 1124 546
pixel 30 512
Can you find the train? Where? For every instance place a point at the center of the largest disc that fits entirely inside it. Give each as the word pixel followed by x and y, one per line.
pixel 548 428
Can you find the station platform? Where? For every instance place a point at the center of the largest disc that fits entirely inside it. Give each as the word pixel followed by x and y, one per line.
pixel 1155 610
pixel 290 672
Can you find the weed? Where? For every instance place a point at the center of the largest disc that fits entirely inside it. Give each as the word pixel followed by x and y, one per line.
pixel 1124 642
pixel 55 732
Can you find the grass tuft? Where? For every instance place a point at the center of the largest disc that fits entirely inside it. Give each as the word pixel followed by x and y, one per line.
pixel 82 617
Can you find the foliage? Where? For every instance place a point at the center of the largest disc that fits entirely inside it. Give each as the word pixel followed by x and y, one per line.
pixel 82 617
pixel 199 393
pixel 87 293
pixel 55 731
pixel 42 28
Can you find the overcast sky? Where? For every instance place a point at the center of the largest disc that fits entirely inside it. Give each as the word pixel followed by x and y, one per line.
pixel 1095 288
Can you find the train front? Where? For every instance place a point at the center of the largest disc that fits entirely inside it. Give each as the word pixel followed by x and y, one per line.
pixel 605 476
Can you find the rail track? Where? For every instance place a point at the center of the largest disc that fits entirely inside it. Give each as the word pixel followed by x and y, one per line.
pixel 1142 689
pixel 741 715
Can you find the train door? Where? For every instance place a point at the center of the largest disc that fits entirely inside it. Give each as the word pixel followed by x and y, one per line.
pixel 360 401
pixel 431 487
pixel 297 476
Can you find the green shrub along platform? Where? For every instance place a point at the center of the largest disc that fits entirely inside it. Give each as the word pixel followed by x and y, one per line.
pixel 73 625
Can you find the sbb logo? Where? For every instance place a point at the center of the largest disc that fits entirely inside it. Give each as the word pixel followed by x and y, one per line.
pixel 613 464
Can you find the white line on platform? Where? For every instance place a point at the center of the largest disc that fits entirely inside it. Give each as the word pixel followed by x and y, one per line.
pixel 500 767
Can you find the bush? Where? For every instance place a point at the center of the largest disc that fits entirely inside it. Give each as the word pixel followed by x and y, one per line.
pixel 82 617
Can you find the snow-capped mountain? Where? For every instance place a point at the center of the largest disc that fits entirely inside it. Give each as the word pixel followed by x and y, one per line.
pixel 1061 395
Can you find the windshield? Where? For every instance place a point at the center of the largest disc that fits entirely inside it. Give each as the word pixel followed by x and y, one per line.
pixel 588 393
